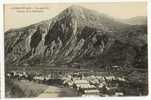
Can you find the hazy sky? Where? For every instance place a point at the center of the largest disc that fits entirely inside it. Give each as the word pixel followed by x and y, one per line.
pixel 22 15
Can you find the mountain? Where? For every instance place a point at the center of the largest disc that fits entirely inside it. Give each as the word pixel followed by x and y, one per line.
pixel 78 35
pixel 138 20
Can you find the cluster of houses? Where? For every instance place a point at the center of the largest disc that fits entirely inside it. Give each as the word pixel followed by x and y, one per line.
pixel 17 75
pixel 35 77
pixel 95 85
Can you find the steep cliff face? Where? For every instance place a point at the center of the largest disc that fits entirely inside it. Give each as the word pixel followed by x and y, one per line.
pixel 76 35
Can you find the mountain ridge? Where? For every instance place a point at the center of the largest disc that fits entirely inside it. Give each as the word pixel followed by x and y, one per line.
pixel 75 35
pixel 137 20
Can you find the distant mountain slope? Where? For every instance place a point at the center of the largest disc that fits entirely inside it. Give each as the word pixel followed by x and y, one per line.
pixel 77 35
pixel 138 20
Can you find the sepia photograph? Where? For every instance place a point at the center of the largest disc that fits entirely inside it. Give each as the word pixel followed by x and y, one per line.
pixel 76 50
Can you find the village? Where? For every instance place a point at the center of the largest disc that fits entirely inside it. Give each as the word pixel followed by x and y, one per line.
pixel 84 83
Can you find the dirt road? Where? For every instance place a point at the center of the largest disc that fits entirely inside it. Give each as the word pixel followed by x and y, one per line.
pixel 53 91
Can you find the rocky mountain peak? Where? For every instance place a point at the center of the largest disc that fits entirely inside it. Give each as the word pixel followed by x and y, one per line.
pixel 78 35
